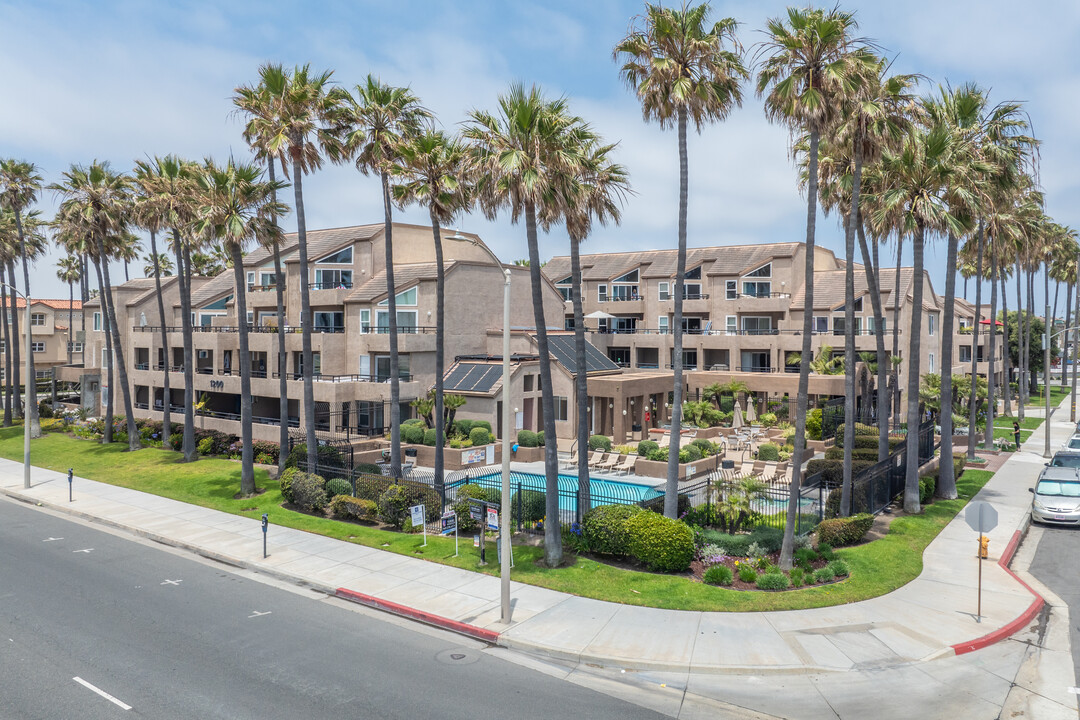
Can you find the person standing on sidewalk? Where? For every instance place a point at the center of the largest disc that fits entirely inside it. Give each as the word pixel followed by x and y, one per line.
pixel 1016 434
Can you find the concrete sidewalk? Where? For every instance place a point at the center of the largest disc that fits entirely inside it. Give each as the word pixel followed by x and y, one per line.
pixel 929 618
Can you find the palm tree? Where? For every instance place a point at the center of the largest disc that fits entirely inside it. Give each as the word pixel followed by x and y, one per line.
pixel 594 195
pixel 518 156
pixel 127 248
pixel 683 71
pixel 432 171
pixel 19 188
pixel 158 265
pixel 236 206
pixel 381 119
pixel 28 245
pixel 304 111
pixel 267 141
pixel 98 200
pixel 69 270
pixel 806 73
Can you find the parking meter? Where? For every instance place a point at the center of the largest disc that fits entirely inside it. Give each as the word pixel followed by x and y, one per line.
pixel 265 525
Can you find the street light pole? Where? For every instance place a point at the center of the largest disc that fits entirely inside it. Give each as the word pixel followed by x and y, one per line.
pixel 1046 381
pixel 504 530
pixel 26 386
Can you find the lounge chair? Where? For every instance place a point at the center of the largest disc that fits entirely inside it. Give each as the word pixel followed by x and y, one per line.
pixel 758 468
pixel 570 460
pixel 610 463
pixel 627 465
pixel 597 458
pixel 781 471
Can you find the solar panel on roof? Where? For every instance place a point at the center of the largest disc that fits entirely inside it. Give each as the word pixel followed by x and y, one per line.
pixel 561 348
pixel 472 377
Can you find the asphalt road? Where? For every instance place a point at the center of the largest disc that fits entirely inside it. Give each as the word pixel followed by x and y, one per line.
pixel 1055 566
pixel 174 637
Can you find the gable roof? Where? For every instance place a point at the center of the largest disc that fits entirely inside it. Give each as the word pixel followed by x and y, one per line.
pixel 47 302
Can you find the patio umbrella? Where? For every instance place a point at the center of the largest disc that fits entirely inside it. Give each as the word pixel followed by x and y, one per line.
pixel 737 421
pixel 751 413
pixel 987 322
pixel 599 315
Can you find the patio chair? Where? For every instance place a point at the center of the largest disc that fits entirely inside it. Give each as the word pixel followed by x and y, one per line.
pixel 570 460
pixel 781 471
pixel 596 457
pixel 769 472
pixel 610 463
pixel 627 465
pixel 758 468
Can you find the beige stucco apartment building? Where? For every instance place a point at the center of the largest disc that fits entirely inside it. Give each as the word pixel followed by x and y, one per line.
pixel 55 328
pixel 743 319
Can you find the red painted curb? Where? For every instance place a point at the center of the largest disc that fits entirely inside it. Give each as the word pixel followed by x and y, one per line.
pixel 1026 617
pixel 478 633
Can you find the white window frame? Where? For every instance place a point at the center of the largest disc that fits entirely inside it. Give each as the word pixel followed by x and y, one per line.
pixel 663 291
pixel 731 289
pixel 815 329
pixel 960 353
pixel 562 408
pixel 382 319
pixel 662 325
pixel 37 319
pixel 931 325
pixel 930 363
pixel 251 278
pixel 601 292
pixel 365 321
pixel 97 322
pixel 731 324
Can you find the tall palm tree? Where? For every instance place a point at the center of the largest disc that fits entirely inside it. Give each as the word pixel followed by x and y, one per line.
pixel 237 206
pixel 805 75
pixel 8 342
pixel 127 248
pixel 158 265
pixel 98 199
pixel 518 156
pixel 19 188
pixel 270 144
pixel 69 270
pixel 683 70
pixel 381 119
pixel 305 111
pixel 915 181
pixel 595 194
pixel 433 171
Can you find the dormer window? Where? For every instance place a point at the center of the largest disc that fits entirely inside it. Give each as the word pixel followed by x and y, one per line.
pixel 341 257
pixel 763 271
pixel 625 287
pixel 566 288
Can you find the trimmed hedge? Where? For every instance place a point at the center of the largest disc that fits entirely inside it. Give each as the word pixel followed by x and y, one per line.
pixel 479 436
pixel 309 492
pixel 769 452
pixel 338 486
pixel 527 438
pixel 662 544
pixel 692 453
pixel 347 507
pixel 857 453
pixel 604 528
pixel 394 506
pixel 540 439
pixel 861 430
pixel 647 446
pixel 600 442
pixel 838 532
pixel 833 470
pixel 429 437
pixel 412 434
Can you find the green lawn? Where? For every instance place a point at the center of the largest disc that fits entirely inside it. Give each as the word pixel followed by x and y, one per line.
pixel 877 567
pixel 1057 394
pixel 1006 421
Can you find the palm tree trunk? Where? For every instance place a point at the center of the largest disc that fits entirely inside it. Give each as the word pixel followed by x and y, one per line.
pixel 183 274
pixel 1032 387
pixel 16 343
pixel 1006 353
pixel 31 382
pixel 973 399
pixel 671 489
pixel 106 382
pixel 296 149
pixel 787 548
pixel 896 332
pixel 7 347
pixel 553 551
pixel 134 441
pixel 581 382
pixel 282 355
pixel 440 354
pixel 166 418
pixel 849 323
pixel 946 486
pixel 71 319
pixel 872 276
pixel 1076 343
pixel 991 401
pixel 391 314
pixel 911 485
pixel 247 456
pixel 1020 396
pixel 1065 335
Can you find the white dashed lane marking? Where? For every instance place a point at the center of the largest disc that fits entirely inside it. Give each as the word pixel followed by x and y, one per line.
pixel 102 693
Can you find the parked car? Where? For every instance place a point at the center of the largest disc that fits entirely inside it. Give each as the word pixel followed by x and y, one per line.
pixel 1073 443
pixel 1057 496
pixel 1065 459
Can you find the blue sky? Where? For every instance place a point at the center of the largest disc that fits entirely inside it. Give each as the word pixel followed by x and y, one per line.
pixel 122 80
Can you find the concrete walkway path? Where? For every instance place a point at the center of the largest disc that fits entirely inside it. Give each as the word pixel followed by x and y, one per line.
pixel 931 618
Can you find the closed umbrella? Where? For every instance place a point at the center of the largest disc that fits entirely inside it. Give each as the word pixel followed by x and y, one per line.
pixel 751 413
pixel 737 421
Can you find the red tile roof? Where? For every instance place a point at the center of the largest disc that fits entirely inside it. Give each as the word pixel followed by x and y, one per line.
pixel 54 304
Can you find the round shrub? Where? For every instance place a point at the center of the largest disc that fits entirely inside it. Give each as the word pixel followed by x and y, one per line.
pixel 718 575
pixel 604 528
pixel 462 427
pixel 338 486
pixel 367 468
pixel 286 481
pixel 411 422
pixel 662 544
pixel 346 507
pixel 429 437
pixel 747 574
pixel 824 575
pixel 413 434
pixel 768 419
pixel 705 446
pixel 658 454
pixel 540 439
pixel 837 532
pixel 773 581
pixel 176 440
pixel 647 446
pixel 206 446
pixel 839 568
pixel 479 436
pixel 814 424
pixel 692 453
pixel 600 442
pixel 769 452
pixel 482 423
pixel 309 492
pixel 531 505
pixel 527 438
pixel 394 506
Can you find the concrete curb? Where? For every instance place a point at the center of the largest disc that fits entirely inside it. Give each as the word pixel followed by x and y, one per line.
pixel 393 608
pixel 1024 618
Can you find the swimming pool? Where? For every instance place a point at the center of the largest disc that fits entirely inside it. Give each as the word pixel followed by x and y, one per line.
pixel 603 492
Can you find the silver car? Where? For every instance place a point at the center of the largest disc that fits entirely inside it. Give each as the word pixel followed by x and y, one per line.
pixel 1073 443
pixel 1057 496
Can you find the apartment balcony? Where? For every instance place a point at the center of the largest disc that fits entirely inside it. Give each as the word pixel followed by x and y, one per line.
pixel 328 293
pixel 763 303
pixel 633 304
pixel 410 339
pixel 695 303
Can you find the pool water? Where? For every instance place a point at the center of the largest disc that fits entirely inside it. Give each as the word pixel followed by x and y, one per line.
pixel 603 491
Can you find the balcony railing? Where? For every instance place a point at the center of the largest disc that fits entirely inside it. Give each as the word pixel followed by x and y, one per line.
pixel 263 288
pixel 763 295
pixel 142 366
pixel 724 331
pixel 319 377
pixel 340 285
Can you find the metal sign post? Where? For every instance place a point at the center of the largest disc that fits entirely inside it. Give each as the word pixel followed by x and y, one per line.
pixel 265 525
pixel 449 525
pixel 981 517
pixel 418 513
pixel 71 476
